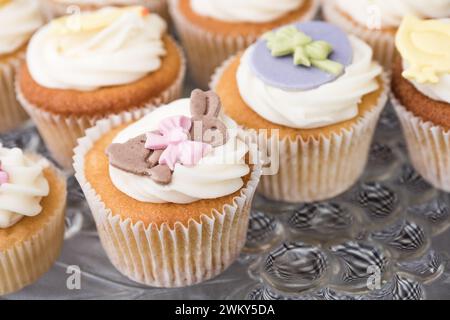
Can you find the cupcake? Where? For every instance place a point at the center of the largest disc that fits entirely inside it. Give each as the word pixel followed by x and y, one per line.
pixel 81 69
pixel 317 94
pixel 172 193
pixel 376 21
pixel 57 8
pixel 421 95
pixel 18 20
pixel 32 205
pixel 213 30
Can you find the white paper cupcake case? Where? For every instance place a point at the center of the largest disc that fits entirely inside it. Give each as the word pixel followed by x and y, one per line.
pixel 382 43
pixel 53 9
pixel 11 112
pixel 161 256
pixel 26 262
pixel 318 169
pixel 206 50
pixel 60 133
pixel 428 147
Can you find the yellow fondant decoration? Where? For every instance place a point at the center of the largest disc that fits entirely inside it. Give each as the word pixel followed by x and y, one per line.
pixel 79 23
pixel 425 45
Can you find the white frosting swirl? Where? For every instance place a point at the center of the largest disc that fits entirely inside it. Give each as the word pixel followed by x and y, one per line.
pixel 18 20
pixel 389 13
pixel 22 195
pixel 326 105
pixel 216 175
pixel 437 91
pixel 123 52
pixel 255 11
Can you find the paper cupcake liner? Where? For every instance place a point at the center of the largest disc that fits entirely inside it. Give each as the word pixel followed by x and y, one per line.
pixel 317 169
pixel 53 9
pixel 206 50
pixel 60 133
pixel 158 255
pixel 428 147
pixel 24 263
pixel 12 114
pixel 382 43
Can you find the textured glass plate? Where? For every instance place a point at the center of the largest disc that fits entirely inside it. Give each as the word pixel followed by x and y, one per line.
pixel 386 238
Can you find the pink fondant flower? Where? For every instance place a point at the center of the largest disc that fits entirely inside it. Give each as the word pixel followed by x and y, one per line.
pixel 4 176
pixel 173 138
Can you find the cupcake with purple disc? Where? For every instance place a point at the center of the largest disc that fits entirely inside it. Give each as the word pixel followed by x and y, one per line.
pixel 316 94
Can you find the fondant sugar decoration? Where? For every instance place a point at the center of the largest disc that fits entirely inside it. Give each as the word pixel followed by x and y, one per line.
pixel 425 45
pixel 289 40
pixel 4 176
pixel 134 158
pixel 179 139
pixel 173 139
pixel 205 108
pixel 69 25
pixel 301 57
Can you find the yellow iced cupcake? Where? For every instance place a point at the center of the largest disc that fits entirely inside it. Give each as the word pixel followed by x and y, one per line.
pixel 421 96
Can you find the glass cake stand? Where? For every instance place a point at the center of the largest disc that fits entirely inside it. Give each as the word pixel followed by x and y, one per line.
pixel 386 238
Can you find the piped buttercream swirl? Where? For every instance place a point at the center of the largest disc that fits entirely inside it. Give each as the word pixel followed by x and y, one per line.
pixel 21 195
pixel 108 47
pixel 255 11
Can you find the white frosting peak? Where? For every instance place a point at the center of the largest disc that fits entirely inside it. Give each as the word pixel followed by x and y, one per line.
pixel 18 20
pixel 117 53
pixel 22 194
pixel 389 13
pixel 218 174
pixel 255 11
pixel 326 105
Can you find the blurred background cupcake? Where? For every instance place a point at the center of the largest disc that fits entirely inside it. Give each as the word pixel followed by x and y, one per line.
pixel 376 21
pixel 32 208
pixel 421 95
pixel 213 30
pixel 171 203
pixel 81 68
pixel 18 21
pixel 57 8
pixel 320 94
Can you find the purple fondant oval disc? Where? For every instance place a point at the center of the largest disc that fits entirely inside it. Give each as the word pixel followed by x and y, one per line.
pixel 281 72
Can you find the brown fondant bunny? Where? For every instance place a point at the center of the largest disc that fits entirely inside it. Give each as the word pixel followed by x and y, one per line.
pixel 133 157
pixel 206 127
